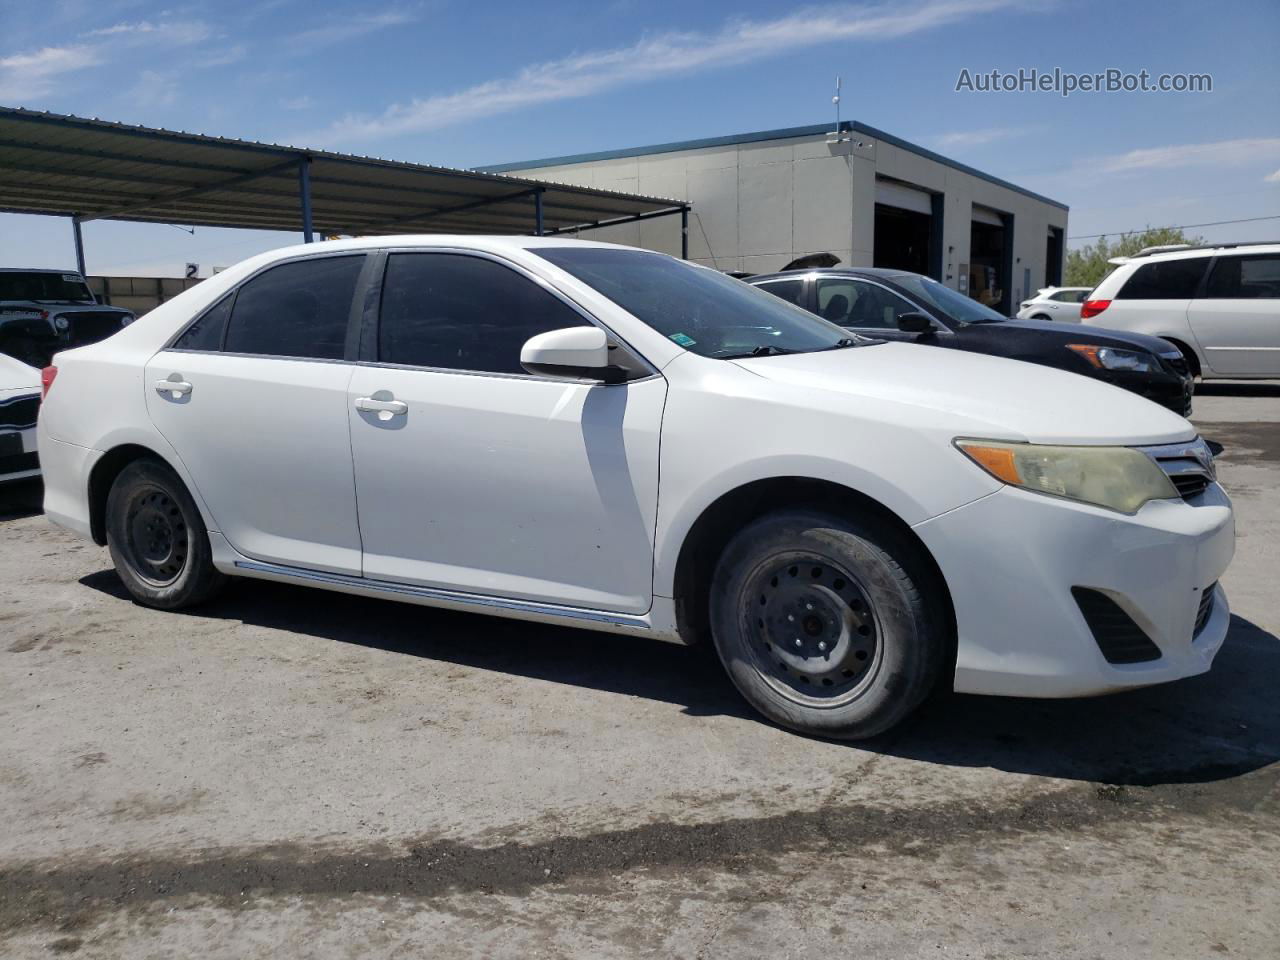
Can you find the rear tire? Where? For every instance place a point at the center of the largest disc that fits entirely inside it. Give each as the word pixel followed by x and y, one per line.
pixel 157 539
pixel 823 623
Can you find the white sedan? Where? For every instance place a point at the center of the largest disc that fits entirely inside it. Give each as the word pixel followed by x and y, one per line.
pixel 1054 303
pixel 19 405
pixel 596 436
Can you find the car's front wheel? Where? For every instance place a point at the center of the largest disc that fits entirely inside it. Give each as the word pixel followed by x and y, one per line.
pixel 157 539
pixel 826 625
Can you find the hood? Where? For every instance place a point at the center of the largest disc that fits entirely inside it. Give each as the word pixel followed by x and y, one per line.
pixel 51 307
pixel 985 396
pixel 17 377
pixel 1099 336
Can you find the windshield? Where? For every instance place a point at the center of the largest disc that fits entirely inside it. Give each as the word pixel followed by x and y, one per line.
pixel 38 285
pixel 700 309
pixel 953 304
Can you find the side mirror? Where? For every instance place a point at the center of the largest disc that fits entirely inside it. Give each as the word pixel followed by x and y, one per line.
pixel 575 353
pixel 915 322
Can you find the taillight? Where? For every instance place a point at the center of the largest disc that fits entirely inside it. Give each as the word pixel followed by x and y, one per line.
pixel 1092 308
pixel 46 380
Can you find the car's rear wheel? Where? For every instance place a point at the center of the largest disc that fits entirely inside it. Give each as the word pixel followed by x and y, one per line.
pixel 157 539
pixel 825 625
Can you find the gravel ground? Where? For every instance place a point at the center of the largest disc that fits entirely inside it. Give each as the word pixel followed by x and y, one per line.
pixel 295 773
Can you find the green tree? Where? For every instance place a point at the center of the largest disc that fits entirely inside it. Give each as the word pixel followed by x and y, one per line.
pixel 1087 266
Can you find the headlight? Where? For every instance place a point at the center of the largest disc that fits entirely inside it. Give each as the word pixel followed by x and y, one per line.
pixel 1113 358
pixel 61 324
pixel 1118 478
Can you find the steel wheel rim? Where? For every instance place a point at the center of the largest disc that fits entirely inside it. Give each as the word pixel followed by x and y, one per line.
pixel 156 537
pixel 813 633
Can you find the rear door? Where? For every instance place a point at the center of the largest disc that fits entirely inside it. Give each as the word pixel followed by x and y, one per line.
pixel 1237 320
pixel 253 396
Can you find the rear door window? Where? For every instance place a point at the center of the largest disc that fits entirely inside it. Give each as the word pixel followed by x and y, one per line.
pixel 1165 280
pixel 299 309
pixel 206 333
pixel 791 291
pixel 1245 278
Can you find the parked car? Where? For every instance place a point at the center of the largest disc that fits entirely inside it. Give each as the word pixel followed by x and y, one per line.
pixel 1054 303
pixel 19 405
pixel 897 305
pixel 1219 304
pixel 44 311
pixel 595 436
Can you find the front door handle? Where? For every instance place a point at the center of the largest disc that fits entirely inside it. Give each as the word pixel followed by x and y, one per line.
pixel 174 386
pixel 385 409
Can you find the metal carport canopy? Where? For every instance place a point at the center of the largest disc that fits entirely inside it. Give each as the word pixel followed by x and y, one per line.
pixel 86 169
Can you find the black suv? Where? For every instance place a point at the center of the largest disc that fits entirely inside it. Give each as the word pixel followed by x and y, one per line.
pixel 45 311
pixel 896 305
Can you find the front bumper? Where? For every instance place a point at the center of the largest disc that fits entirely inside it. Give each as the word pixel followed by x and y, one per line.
pixel 1170 391
pixel 1011 559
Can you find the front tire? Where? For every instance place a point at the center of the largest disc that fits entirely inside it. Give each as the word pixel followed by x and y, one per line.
pixel 158 541
pixel 823 623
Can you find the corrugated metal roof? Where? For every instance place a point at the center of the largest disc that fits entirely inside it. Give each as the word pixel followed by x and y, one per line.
pixel 62 165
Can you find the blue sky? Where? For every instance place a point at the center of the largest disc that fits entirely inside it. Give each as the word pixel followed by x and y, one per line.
pixel 465 83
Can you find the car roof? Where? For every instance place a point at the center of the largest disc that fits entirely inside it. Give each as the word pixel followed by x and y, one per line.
pixel 887 273
pixel 1202 250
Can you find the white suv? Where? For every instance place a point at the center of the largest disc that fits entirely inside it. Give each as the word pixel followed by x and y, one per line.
pixel 1219 304
pixel 596 436
pixel 1054 303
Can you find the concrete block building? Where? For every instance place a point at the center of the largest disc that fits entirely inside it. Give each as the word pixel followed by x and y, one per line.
pixel 760 200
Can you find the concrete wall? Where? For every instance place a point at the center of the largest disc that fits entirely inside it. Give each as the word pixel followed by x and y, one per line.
pixel 758 205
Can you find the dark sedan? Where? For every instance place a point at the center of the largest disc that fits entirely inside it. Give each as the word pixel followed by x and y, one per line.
pixel 896 305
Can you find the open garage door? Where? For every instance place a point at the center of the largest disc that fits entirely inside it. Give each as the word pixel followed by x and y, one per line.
pixel 991 258
pixel 908 229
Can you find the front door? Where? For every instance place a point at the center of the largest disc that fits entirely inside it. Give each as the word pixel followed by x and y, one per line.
pixel 253 397
pixel 473 475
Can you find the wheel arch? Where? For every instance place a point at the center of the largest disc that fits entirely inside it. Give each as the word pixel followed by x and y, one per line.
pixel 104 474
pixel 721 519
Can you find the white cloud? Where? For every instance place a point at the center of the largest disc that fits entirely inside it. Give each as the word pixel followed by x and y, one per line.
pixel 340 31
pixel 1272 177
pixel 181 32
pixel 1221 153
pixel 154 89
pixel 303 102
pixel 668 54
pixel 27 76
pixel 977 138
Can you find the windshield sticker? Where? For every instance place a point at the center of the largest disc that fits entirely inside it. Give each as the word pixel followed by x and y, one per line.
pixel 683 339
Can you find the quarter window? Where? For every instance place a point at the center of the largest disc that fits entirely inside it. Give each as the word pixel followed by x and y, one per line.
pixel 206 332
pixel 1245 278
pixel 463 313
pixel 860 305
pixel 1165 280
pixel 297 309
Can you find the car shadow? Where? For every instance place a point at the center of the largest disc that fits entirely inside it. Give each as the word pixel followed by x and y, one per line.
pixel 1213 727
pixel 1238 388
pixel 21 498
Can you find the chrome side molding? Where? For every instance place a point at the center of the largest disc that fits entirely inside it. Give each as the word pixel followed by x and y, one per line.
pixel 478 600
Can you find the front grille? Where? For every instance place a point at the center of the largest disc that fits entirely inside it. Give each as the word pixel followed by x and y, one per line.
pixel 19 462
pixel 20 412
pixel 1190 484
pixel 1189 466
pixel 86 328
pixel 1118 637
pixel 1204 610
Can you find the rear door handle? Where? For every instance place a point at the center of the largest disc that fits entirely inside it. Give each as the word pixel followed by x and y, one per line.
pixel 175 386
pixel 385 409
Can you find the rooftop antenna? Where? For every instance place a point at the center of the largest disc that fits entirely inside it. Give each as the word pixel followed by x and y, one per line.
pixel 837 135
